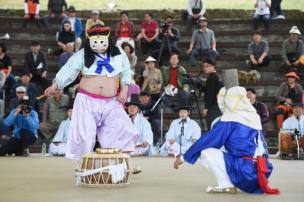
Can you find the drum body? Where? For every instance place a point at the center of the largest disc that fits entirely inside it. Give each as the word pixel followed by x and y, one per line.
pixel 286 142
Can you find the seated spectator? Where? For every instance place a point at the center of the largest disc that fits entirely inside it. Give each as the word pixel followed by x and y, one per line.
pixel 149 35
pixel 195 10
pixel 262 13
pixel 292 50
pixel 68 52
pixel 53 114
pixel 94 20
pixel 258 51
pixel 276 8
pixel 152 77
pixel 145 140
pixel 31 12
pixel 169 36
pixel 173 77
pixel 56 8
pixel 202 43
pixel 35 63
pixel 124 31
pixel 176 142
pixel 26 123
pixel 289 92
pixel 260 107
pixel 133 89
pixel 153 116
pixel 58 145
pixel 129 50
pixel 76 25
pixel 296 120
pixel 30 89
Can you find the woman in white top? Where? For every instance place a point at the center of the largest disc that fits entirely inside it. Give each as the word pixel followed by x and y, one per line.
pixel 262 13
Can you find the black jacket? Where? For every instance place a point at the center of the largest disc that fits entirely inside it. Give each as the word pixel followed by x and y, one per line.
pixel 31 65
pixel 213 86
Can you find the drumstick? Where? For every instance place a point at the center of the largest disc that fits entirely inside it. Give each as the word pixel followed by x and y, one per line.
pixel 40 97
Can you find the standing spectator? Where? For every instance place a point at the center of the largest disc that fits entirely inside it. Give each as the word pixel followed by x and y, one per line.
pixel 26 123
pixel 53 114
pixel 173 77
pixel 258 51
pixel 56 8
pixel 94 20
pixel 31 12
pixel 213 86
pixel 76 25
pixel 195 10
pixel 292 50
pixel 169 36
pixel 276 8
pixel 149 35
pixel 124 30
pixel 202 43
pixel 288 92
pixel 152 116
pixel 35 63
pixel 68 52
pixel 260 107
pixel 262 12
pixel 129 50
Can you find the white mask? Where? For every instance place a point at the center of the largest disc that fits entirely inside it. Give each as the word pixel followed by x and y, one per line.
pixel 99 44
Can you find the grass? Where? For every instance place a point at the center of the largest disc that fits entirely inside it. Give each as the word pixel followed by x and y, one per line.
pixel 152 4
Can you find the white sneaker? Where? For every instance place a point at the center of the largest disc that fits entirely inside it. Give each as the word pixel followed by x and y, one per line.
pixel 217 190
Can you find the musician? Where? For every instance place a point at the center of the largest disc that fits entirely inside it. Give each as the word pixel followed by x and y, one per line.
pixel 98 104
pixel 145 140
pixel 177 142
pixel 296 121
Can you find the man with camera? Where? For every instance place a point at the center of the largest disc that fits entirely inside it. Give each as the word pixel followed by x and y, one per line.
pixel 26 123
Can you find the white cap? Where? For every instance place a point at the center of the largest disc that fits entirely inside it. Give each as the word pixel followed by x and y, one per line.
pixel 294 30
pixel 95 12
pixel 202 19
pixel 21 89
pixel 150 59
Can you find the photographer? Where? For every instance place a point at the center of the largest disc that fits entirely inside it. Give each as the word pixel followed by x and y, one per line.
pixel 26 123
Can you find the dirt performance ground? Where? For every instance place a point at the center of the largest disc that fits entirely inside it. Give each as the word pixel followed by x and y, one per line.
pixel 51 179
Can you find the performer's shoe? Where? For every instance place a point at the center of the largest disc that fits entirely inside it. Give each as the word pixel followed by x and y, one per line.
pixel 216 190
pixel 136 171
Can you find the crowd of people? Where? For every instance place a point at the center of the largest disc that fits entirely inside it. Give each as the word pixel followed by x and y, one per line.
pixel 162 72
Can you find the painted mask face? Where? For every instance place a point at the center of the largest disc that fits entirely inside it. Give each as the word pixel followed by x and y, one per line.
pixel 99 44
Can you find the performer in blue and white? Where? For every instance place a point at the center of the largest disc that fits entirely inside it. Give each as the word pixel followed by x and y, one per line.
pixel 175 140
pixel 235 148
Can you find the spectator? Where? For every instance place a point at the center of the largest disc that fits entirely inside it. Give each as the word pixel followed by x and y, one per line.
pixel 20 93
pixel 30 89
pixel 124 30
pixel 260 107
pixel 149 35
pixel 58 145
pixel 94 20
pixel 258 51
pixel 176 141
pixel 31 12
pixel 262 12
pixel 26 123
pixel 152 77
pixel 129 50
pixel 213 86
pixel 76 25
pixel 276 8
pixel 195 10
pixel 35 63
pixel 133 89
pixel 173 77
pixel 289 92
pixel 296 120
pixel 169 36
pixel 56 8
pixel 145 141
pixel 292 50
pixel 2 105
pixel 153 116
pixel 202 43
pixel 53 114
pixel 68 52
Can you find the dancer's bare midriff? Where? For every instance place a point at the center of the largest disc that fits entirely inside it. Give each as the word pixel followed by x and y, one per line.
pixel 100 85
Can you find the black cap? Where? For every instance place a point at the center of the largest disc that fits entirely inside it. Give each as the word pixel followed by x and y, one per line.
pixel 184 107
pixel 134 101
pixel 71 9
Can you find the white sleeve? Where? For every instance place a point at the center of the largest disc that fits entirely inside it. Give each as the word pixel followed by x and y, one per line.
pixel 25 8
pixel 126 73
pixel 148 134
pixel 69 72
pixel 60 132
pixel 170 135
pixel 196 131
pixel 203 8
pixel 188 7
pixel 286 125
pixel 37 9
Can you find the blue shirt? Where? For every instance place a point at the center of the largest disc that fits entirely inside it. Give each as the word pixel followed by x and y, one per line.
pixel 20 122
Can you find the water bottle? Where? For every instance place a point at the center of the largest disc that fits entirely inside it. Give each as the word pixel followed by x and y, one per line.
pixel 43 149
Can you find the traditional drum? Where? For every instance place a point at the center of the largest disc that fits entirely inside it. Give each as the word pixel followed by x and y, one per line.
pixel 286 142
pixel 106 167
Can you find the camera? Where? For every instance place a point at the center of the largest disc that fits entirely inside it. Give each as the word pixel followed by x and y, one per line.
pixel 194 82
pixel 25 105
pixel 164 25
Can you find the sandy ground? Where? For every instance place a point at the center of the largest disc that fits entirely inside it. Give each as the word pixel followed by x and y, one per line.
pixel 43 179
